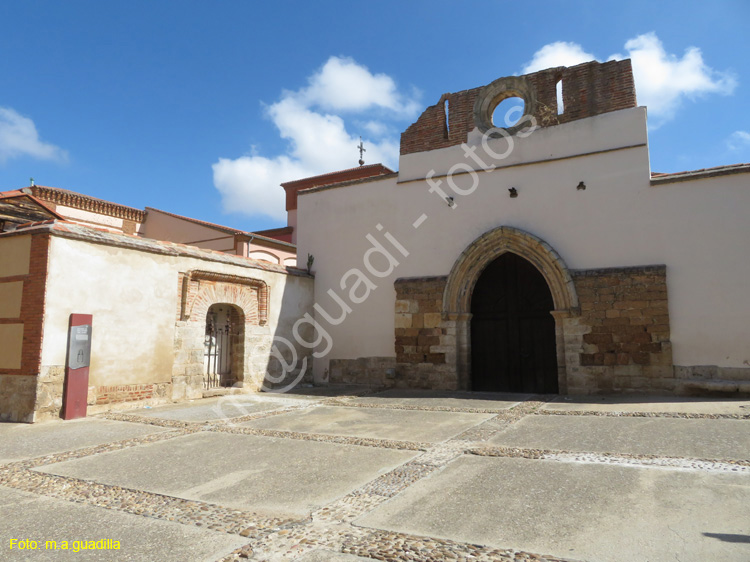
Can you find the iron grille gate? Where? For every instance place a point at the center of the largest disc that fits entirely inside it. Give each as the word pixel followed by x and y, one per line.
pixel 218 354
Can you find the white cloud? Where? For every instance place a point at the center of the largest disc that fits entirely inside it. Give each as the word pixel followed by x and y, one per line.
pixel 343 85
pixel 560 53
pixel 318 138
pixel 19 137
pixel 738 140
pixel 662 80
pixel 376 128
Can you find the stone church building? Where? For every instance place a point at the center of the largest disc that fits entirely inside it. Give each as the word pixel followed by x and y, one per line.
pixel 542 257
pixel 534 254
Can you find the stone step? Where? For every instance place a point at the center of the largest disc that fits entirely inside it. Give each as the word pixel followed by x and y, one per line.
pixel 221 391
pixel 717 388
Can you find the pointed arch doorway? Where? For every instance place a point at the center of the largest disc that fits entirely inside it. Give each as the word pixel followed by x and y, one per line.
pixel 513 342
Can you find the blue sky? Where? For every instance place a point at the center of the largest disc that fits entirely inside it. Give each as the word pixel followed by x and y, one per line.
pixel 202 108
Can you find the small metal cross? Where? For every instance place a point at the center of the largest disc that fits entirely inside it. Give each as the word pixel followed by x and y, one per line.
pixel 362 150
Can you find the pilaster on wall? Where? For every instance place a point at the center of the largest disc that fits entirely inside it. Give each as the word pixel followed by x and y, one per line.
pixel 19 387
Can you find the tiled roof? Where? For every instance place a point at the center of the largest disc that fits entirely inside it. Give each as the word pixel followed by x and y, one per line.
pixel 20 208
pixel 659 178
pixel 76 231
pixel 69 198
pixel 317 188
pixel 340 175
pixel 226 229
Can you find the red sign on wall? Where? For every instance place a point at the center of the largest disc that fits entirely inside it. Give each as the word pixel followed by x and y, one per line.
pixel 77 366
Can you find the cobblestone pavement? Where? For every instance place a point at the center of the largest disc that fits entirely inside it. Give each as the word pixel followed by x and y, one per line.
pixel 331 527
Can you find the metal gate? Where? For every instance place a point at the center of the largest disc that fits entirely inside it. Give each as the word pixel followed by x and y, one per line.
pixel 218 353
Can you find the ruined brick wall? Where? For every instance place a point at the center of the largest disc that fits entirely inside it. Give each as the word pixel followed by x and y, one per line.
pixel 431 130
pixel 624 344
pixel 588 89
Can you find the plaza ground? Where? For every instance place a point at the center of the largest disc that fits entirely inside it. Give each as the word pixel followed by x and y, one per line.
pixel 350 473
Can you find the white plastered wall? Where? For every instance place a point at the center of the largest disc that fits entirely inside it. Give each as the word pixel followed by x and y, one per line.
pixel 133 296
pixel 699 229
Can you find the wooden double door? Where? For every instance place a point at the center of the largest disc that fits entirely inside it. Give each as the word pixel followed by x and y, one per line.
pixel 513 345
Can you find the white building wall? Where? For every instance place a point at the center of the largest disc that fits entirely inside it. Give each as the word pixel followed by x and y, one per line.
pixel 133 297
pixel 698 229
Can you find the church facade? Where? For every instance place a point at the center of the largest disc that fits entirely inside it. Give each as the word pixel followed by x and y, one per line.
pixel 538 254
pixel 544 256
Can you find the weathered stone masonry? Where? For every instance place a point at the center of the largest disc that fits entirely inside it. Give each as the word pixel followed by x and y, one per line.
pixel 619 341
pixel 198 290
pixel 425 342
pixel 626 347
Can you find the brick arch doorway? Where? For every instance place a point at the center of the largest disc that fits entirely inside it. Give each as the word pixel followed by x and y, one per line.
pixel 223 346
pixel 513 343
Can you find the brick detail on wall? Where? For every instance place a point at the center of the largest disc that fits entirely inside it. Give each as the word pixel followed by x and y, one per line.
pixel 589 89
pixel 121 393
pixel 625 336
pixel 32 305
pixel 18 396
pixel 429 131
pixel 198 290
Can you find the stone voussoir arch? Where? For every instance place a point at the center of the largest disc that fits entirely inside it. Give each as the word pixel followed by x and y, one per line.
pixel 470 265
pixel 490 246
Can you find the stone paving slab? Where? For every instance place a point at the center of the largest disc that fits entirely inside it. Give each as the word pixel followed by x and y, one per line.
pixel 22 441
pixel 41 519
pixel 661 404
pixel 307 392
pixel 277 477
pixel 599 513
pixel 443 399
pixel 222 407
pixel 402 425
pixel 689 438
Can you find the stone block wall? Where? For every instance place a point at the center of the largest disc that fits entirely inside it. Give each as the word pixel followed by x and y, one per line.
pixel 702 380
pixel 620 341
pixel 377 371
pixel 425 342
pixel 49 392
pixel 17 398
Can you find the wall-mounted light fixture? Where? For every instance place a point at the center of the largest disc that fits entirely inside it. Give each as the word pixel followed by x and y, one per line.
pixel 513 192
pixel 449 200
pixel 581 186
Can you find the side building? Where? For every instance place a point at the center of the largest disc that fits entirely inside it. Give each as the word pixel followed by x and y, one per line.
pixel 171 321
